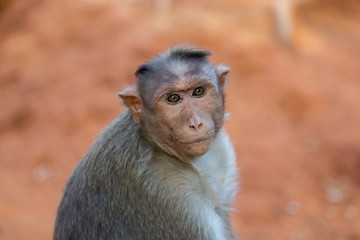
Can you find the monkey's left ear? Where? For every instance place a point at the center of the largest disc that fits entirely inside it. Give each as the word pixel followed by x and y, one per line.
pixel 222 73
pixel 132 100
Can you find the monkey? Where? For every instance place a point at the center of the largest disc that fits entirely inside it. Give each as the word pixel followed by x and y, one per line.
pixel 164 169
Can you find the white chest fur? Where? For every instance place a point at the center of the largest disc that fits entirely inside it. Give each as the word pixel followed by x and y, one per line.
pixel 218 167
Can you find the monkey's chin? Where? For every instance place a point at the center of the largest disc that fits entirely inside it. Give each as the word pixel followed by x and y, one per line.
pixel 197 148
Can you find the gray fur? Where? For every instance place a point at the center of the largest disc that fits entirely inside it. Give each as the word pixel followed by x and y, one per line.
pixel 126 188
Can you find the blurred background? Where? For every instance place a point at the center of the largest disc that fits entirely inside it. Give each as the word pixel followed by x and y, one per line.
pixel 294 96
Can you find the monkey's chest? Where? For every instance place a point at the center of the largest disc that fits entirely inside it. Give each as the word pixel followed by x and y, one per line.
pixel 213 176
pixel 217 169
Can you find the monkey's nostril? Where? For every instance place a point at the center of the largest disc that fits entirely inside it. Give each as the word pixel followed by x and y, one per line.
pixel 195 125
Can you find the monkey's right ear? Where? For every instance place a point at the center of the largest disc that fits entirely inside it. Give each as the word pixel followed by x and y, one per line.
pixel 222 72
pixel 132 100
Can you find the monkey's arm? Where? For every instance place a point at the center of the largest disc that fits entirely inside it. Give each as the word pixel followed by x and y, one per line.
pixel 178 193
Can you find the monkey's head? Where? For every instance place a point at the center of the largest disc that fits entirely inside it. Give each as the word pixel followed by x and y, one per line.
pixel 179 101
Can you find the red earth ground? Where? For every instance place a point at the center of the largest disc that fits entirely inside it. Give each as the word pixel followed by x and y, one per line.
pixel 295 107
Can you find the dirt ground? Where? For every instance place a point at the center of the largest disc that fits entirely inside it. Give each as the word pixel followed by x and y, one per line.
pixel 295 104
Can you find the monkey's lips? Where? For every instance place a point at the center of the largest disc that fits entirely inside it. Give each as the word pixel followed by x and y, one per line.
pixel 199 140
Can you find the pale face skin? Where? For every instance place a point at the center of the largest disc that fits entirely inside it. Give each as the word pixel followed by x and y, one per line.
pixel 184 117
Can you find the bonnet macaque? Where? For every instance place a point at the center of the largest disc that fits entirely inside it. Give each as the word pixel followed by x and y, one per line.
pixel 164 168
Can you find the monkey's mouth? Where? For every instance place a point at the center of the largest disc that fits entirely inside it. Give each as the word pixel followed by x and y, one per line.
pixel 200 140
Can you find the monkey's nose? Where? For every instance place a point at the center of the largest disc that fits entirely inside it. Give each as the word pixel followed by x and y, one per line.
pixel 195 123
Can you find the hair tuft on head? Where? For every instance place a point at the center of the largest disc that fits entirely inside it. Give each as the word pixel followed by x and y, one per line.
pixel 178 52
pixel 186 52
pixel 142 69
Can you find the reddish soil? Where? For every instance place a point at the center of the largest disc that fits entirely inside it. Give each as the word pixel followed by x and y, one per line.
pixel 295 108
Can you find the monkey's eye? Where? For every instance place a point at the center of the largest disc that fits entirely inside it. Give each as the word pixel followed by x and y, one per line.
pixel 199 91
pixel 173 98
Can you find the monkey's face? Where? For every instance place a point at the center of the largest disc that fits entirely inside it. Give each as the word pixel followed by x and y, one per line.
pixel 185 118
pixel 179 101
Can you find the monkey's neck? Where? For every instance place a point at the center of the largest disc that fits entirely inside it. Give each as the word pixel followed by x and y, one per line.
pixel 169 154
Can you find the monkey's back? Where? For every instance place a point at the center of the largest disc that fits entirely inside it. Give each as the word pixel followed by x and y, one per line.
pixel 90 208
